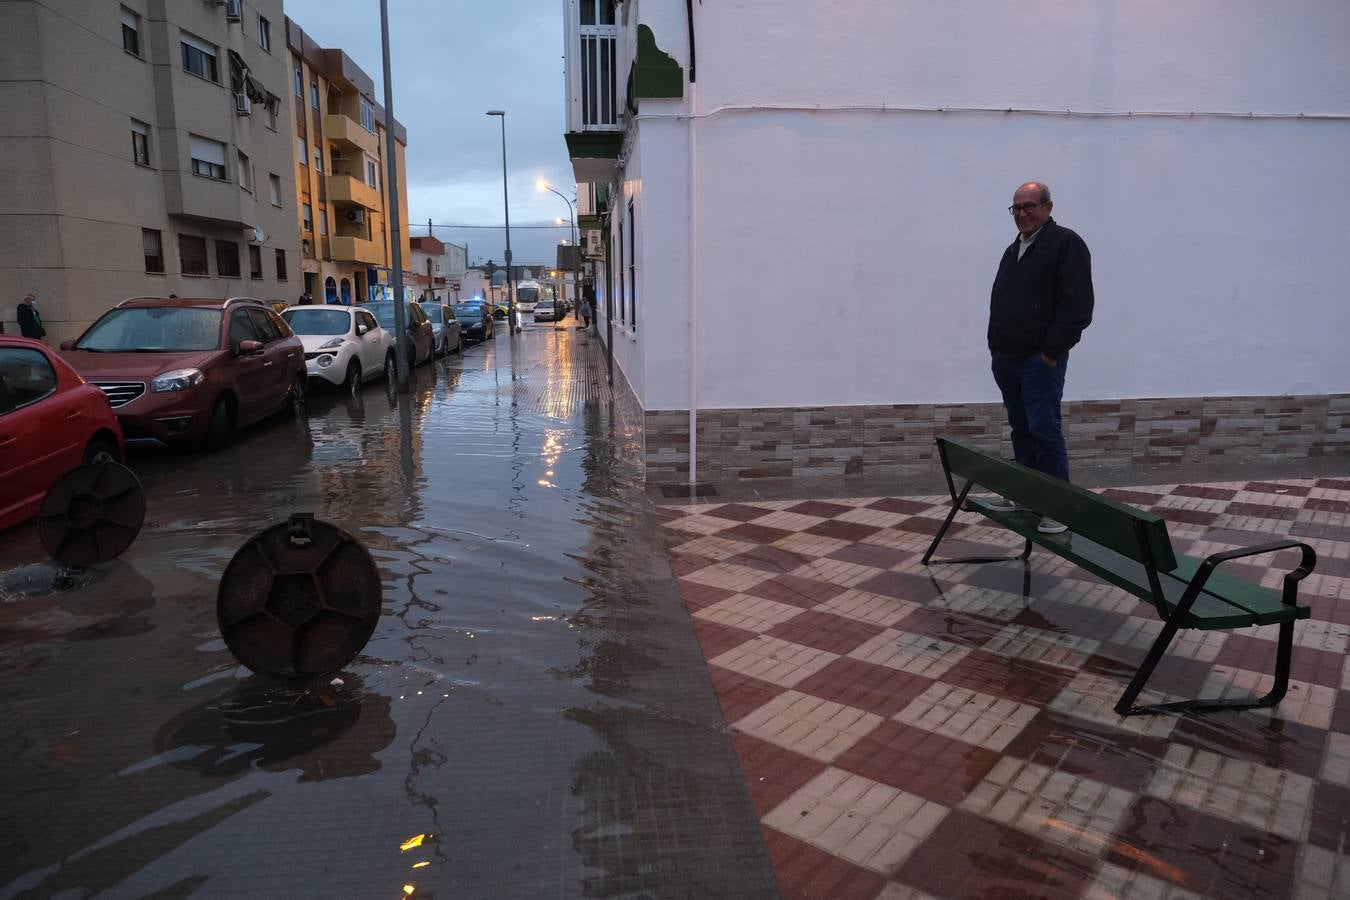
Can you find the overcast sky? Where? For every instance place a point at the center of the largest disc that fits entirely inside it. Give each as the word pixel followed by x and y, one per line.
pixel 451 63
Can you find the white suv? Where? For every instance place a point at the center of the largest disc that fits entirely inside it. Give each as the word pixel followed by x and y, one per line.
pixel 344 345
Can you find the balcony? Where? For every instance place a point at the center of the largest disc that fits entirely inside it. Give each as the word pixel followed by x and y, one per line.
pixel 349 135
pixel 345 189
pixel 352 249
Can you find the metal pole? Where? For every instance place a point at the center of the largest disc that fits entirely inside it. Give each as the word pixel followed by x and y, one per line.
pixel 572 218
pixel 395 216
pixel 506 207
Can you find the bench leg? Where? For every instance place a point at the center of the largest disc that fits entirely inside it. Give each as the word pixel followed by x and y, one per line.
pixel 1283 658
pixel 957 504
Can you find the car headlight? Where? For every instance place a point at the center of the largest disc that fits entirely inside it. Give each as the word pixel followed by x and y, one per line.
pixel 333 344
pixel 177 380
pixel 325 361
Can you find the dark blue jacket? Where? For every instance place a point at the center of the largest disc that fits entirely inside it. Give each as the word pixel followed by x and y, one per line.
pixel 30 323
pixel 1042 302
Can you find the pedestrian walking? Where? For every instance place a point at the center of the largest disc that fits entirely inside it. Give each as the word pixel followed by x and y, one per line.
pixel 30 321
pixel 1040 303
pixel 585 312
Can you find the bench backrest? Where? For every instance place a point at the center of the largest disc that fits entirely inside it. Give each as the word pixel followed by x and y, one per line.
pixel 1100 519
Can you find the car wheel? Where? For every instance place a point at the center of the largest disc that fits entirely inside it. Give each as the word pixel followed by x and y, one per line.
pixel 298 392
pixel 353 381
pixel 222 423
pixel 390 368
pixel 460 348
pixel 100 450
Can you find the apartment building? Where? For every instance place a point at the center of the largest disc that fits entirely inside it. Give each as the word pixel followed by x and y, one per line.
pixel 341 171
pixel 147 154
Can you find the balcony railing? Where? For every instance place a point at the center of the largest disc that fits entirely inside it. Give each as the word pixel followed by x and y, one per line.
pixel 351 249
pixel 344 189
pixel 599 103
pixel 349 134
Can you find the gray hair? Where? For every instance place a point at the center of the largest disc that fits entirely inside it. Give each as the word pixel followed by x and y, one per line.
pixel 1043 187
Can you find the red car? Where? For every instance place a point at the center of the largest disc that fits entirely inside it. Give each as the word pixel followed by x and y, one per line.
pixel 51 421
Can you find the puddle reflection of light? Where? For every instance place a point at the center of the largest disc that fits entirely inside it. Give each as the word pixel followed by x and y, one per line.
pixel 543 618
pixel 408 889
pixel 414 841
pixel 422 865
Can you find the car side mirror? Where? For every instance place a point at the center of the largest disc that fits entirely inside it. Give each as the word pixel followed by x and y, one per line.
pixel 361 329
pixel 250 348
pixel 67 345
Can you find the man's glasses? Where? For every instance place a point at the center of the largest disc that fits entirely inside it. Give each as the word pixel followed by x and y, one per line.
pixel 1025 208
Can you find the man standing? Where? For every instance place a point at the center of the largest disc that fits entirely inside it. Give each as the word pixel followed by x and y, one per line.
pixel 1040 303
pixel 30 323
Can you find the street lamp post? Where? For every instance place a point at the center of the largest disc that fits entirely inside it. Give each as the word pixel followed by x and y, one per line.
pixel 395 214
pixel 506 205
pixel 572 217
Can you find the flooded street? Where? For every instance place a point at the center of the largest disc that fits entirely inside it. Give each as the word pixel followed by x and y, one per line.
pixel 532 718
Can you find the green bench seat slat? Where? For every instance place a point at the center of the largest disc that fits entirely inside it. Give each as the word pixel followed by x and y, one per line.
pixel 1264 603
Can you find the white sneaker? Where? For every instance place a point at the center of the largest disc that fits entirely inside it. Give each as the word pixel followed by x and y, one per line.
pixel 1050 526
pixel 1003 504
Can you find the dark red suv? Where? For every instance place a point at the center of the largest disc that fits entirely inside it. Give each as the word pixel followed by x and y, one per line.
pixel 188 370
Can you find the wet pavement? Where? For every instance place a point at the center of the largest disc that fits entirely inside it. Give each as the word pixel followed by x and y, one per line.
pixel 532 718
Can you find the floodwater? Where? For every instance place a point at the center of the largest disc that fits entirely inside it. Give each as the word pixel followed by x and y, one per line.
pixel 532 717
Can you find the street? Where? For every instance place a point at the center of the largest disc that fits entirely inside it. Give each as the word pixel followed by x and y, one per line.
pixel 533 716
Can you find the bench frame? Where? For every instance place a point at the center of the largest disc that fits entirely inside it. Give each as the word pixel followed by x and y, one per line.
pixel 1173 621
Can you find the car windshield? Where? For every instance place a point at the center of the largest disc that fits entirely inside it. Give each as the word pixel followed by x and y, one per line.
pixel 318 321
pixel 468 311
pixel 546 303
pixel 433 312
pixel 527 295
pixel 384 314
pixel 148 329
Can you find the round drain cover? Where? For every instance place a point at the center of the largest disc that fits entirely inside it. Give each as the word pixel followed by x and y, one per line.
pixel 299 598
pixel 91 514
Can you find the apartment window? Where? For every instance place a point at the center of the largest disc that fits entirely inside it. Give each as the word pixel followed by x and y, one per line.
pixel 281 265
pixel 318 159
pixel 307 213
pixel 275 182
pixel 632 266
pixel 140 143
pixel 599 41
pixel 227 259
pixel 303 147
pixel 323 221
pixel 245 173
pixel 131 32
pixel 254 261
pixel 270 111
pixel 299 83
pixel 597 12
pixel 199 57
pixel 264 34
pixel 192 255
pixel 372 177
pixel 314 94
pixel 367 115
pixel 623 303
pixel 208 157
pixel 154 250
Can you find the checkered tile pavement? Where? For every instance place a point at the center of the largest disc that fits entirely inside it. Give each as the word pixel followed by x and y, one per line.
pixel 947 731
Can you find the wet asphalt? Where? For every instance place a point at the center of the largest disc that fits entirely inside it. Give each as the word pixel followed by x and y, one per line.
pixel 532 717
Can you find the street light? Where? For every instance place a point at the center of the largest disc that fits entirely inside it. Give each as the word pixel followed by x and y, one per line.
pixel 543 185
pixel 506 204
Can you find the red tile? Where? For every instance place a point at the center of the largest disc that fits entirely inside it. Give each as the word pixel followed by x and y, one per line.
pixel 819 508
pixel 1336 484
pixel 1015 679
pixel 970 857
pixel 795 590
pixel 1330 827
pixel 1204 492
pixel 1258 655
pixel 758 534
pixel 1202 853
pixel 737 512
pixel 1188 516
pixel 945 625
pixel 1134 498
pixel 872 555
pixel 805 872
pixel 1112 756
pixel 686 563
pixel 768 558
pixel 903 586
pixel 1277 743
pixel 1262 511
pixel 1174 674
pixel 740 694
pixel 1265 487
pixel 697 596
pixel 918 761
pixel 772 774
pixel 1068 618
pixel 900 505
pixel 1326 504
pixel 931 526
pixel 826 631
pixel 843 531
pixel 717 639
pixel 877 689
pixel 1340 715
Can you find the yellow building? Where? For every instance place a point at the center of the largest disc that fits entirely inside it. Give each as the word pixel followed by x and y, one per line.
pixel 342 174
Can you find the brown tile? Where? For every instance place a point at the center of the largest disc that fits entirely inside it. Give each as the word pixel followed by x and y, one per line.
pixel 1340 714
pixel 921 762
pixel 930 526
pixel 1010 578
pixel 740 695
pixel 1330 825
pixel 797 591
pixel 772 773
pixel 1067 618
pixel 697 596
pixel 1135 498
pixel 819 508
pixel 768 558
pixel 717 639
pixel 1112 756
pixel 900 505
pixel 1174 674
pixel 902 586
pixel 1335 484
pixel 685 563
pixel 1204 492
pixel 843 531
pixel 805 872
pixel 1015 679
pixel 971 858
pixel 1262 511
pixel 1202 853
pixel 759 534
pixel 877 689
pixel 1188 516
pixel 872 555
pixel 1277 743
pixel 826 631
pixel 947 626
pixel 737 512
pixel 1326 504
pixel 1266 487
pixel 1258 655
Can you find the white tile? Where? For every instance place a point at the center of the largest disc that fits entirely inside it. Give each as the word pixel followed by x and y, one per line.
pixel 774 660
pixel 916 654
pixel 805 724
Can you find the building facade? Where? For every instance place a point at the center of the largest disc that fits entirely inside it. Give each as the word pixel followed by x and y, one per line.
pixel 1200 149
pixel 148 154
pixel 341 171
pixel 438 270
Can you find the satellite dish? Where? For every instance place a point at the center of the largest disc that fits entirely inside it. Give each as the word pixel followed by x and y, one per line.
pixel 258 234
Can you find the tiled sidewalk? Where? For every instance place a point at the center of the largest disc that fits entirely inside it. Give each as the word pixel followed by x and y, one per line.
pixel 909 731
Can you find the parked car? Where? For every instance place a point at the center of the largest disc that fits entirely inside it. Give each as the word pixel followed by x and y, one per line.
pixel 446 333
pixel 475 320
pixel 419 328
pixel 500 311
pixel 191 370
pixel 344 345
pixel 51 421
pixel 547 311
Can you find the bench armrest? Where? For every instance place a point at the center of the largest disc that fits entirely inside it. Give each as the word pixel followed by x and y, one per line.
pixel 1214 560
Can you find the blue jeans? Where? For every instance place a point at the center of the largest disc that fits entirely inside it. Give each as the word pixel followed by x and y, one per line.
pixel 1032 391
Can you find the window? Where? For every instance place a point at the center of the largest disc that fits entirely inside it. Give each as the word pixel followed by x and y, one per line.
pixel 199 57
pixel 131 32
pixel 281 265
pixel 245 173
pixel 307 212
pixel 208 157
pixel 254 261
pixel 192 255
pixel 623 305
pixel 303 147
pixel 599 40
pixel 367 115
pixel 227 259
pixel 632 266
pixel 597 12
pixel 318 159
pixel 372 177
pixel 275 182
pixel 140 143
pixel 299 83
pixel 323 221
pixel 241 329
pixel 266 330
pixel 154 250
pixel 270 111
pixel 314 94
pixel 27 376
pixel 264 34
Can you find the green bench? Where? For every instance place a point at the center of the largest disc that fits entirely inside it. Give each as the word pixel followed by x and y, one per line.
pixel 1130 548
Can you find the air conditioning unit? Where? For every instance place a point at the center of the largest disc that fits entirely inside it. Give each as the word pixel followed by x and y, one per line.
pixel 592 246
pixel 243 106
pixel 356 216
pixel 234 10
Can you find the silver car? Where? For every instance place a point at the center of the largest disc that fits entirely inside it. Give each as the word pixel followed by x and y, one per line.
pixel 445 328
